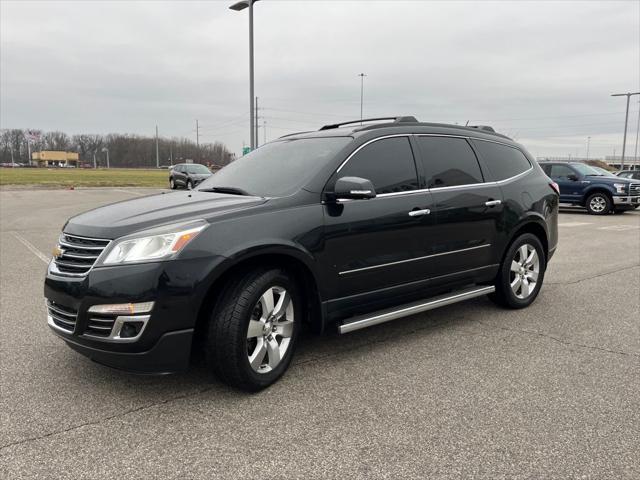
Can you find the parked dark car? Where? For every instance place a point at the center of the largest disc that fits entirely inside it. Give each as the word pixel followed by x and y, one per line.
pixel 600 194
pixel 346 227
pixel 630 174
pixel 188 175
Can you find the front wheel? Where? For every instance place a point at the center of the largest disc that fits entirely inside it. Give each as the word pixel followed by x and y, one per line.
pixel 521 273
pixel 254 328
pixel 172 184
pixel 189 185
pixel 598 204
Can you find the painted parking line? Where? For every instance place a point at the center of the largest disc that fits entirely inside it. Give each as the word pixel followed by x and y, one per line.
pixel 137 194
pixel 574 224
pixel 31 247
pixel 620 228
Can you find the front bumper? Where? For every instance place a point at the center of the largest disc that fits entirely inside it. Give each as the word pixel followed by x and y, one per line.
pixel 630 200
pixel 177 288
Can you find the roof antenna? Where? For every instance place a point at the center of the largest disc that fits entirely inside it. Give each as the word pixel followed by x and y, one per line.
pixel 466 124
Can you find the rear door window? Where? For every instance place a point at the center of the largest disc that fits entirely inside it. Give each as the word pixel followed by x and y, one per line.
pixel 449 161
pixel 503 161
pixel 388 163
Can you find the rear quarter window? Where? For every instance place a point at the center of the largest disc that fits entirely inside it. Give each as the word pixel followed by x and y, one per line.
pixel 503 161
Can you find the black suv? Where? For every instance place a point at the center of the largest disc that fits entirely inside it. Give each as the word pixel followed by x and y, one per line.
pixel 347 227
pixel 187 175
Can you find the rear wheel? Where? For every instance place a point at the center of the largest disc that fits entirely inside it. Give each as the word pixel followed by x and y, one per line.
pixel 521 273
pixel 253 329
pixel 598 204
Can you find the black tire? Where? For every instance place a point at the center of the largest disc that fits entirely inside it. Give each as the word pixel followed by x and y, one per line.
pixel 226 345
pixel 504 295
pixel 172 184
pixel 598 198
pixel 189 185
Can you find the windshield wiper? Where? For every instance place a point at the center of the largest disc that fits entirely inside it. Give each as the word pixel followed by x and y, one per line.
pixel 229 190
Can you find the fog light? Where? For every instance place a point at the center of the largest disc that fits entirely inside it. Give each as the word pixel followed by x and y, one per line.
pixel 122 308
pixel 130 329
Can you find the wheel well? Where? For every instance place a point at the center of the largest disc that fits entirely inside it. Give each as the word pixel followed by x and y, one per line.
pixel 597 190
pixel 300 272
pixel 537 230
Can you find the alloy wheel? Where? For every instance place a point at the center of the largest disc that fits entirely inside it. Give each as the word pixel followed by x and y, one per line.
pixel 598 204
pixel 270 329
pixel 524 272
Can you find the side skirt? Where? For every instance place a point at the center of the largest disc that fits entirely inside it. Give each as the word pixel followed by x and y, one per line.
pixel 363 321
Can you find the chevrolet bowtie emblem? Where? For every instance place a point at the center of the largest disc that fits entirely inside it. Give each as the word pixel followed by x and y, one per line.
pixel 57 251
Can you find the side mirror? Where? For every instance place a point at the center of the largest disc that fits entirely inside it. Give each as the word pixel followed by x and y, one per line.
pixel 354 188
pixel 572 177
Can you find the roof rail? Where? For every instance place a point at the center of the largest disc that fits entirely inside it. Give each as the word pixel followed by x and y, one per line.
pixel 296 133
pixel 486 128
pixel 408 119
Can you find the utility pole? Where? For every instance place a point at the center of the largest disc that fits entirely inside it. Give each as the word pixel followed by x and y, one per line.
pixel 256 124
pixel 157 150
pixel 171 153
pixel 626 121
pixel 588 142
pixel 264 132
pixel 361 75
pixel 197 135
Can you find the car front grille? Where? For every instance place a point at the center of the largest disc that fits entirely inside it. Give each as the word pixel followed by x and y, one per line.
pixel 634 189
pixel 76 255
pixel 63 317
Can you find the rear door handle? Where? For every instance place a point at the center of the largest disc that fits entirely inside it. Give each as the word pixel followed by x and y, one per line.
pixel 419 213
pixel 492 203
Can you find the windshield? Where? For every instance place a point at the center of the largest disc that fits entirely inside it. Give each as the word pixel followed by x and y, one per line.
pixel 585 169
pixel 196 168
pixel 279 168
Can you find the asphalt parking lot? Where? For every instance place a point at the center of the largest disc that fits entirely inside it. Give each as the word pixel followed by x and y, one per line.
pixel 552 391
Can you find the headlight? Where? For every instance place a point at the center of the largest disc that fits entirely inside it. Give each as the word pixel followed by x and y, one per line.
pixel 146 246
pixel 620 187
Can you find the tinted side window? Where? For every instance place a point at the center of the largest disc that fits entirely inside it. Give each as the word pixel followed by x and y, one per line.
pixel 449 162
pixel 177 168
pixel 388 163
pixel 560 171
pixel 504 162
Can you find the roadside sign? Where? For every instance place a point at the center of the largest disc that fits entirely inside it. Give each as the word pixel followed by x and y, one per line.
pixel 246 150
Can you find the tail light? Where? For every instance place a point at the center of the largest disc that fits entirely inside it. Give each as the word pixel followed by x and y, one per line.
pixel 555 187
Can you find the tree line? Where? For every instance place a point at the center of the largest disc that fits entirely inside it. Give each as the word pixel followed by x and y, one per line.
pixel 125 150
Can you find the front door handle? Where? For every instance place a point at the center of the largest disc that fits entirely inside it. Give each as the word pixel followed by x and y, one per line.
pixel 492 203
pixel 419 213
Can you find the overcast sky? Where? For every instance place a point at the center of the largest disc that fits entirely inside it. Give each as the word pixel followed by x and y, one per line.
pixel 541 72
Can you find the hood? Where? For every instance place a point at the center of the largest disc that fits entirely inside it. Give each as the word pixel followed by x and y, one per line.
pixel 200 176
pixel 130 216
pixel 606 179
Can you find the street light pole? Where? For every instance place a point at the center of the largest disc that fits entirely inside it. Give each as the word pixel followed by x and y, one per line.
pixel 105 149
pixel 635 151
pixel 361 75
pixel 238 7
pixel 626 122
pixel 588 142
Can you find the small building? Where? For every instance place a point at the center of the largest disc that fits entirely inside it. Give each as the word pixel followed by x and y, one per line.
pixel 52 158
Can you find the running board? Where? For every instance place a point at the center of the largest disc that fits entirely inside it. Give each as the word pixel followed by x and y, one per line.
pixel 363 321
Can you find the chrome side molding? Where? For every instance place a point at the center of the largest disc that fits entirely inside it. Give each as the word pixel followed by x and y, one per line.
pixel 382 316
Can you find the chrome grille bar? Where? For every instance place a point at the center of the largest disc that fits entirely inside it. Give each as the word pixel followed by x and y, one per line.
pixel 77 255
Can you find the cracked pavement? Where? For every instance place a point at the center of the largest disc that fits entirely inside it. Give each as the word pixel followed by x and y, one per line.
pixel 469 390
